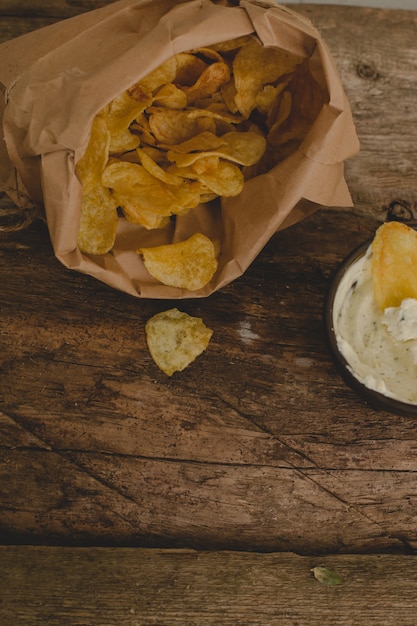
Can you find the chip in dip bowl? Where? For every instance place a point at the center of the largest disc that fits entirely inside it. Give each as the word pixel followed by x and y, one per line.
pixel 375 350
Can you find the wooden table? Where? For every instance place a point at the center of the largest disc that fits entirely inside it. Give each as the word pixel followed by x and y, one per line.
pixel 130 498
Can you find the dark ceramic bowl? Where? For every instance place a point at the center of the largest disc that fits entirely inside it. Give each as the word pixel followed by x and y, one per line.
pixel 376 400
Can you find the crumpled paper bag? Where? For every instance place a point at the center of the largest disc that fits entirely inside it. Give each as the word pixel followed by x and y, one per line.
pixel 55 80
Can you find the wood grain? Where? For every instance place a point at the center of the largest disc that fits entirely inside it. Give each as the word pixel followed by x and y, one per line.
pixel 125 587
pixel 259 445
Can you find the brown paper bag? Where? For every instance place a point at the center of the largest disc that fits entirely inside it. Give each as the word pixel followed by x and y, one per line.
pixel 57 78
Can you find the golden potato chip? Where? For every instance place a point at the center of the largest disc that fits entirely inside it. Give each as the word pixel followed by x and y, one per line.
pixel 189 68
pixel 268 98
pixel 239 147
pixel 228 92
pixel 136 213
pixel 206 163
pixel 226 180
pixel 255 66
pixel 145 198
pixel 163 74
pixel 156 170
pixel 202 142
pixel 188 264
pixel 171 96
pixel 172 127
pixel 120 114
pixel 210 81
pixel 394 264
pixel 99 220
pixel 175 339
pixel 91 165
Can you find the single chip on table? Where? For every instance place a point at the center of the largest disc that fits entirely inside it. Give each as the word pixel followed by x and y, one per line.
pixel 394 264
pixel 188 264
pixel 175 339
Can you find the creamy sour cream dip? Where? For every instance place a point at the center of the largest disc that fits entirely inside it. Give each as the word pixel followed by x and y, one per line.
pixel 380 347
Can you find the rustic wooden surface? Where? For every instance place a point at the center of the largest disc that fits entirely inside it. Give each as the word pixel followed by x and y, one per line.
pixel 258 445
pixel 135 587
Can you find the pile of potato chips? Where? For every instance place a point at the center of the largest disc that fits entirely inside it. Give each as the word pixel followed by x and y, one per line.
pixel 194 129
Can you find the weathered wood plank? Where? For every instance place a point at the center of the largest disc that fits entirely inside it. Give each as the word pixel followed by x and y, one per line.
pixel 128 587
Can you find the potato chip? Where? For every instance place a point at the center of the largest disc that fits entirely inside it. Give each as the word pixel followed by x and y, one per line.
pixel 120 114
pixel 171 96
pixel 145 198
pixel 188 264
pixel 239 147
pixel 226 180
pixel 163 74
pixel 210 81
pixel 171 127
pixel 201 142
pixel 156 170
pixel 268 98
pixel 189 68
pixel 91 165
pixel 99 220
pixel 228 92
pixel 175 339
pixel 394 264
pixel 206 163
pixel 254 66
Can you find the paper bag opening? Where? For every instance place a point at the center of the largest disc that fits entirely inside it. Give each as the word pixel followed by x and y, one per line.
pixel 78 66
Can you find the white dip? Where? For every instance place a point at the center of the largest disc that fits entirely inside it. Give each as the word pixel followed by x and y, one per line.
pixel 379 346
